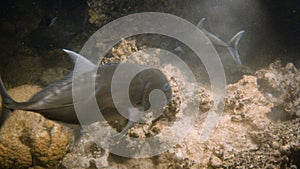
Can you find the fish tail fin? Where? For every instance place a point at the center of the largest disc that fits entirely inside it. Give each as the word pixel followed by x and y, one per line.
pixel 7 101
pixel 232 46
pixel 4 114
pixel 234 41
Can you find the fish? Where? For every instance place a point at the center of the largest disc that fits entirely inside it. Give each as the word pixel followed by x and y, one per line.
pixel 55 101
pixel 231 45
pixel 178 48
pixel 53 22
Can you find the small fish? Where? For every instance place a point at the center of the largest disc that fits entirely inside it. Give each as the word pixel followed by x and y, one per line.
pixel 178 48
pixel 231 45
pixel 55 101
pixel 53 22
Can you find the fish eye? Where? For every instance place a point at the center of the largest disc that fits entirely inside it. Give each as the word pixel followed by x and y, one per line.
pixel 166 87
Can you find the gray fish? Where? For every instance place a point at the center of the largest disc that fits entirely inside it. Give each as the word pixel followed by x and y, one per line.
pixel 231 45
pixel 178 48
pixel 55 101
pixel 53 22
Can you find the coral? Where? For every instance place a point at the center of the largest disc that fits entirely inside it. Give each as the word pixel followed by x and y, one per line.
pixel 27 139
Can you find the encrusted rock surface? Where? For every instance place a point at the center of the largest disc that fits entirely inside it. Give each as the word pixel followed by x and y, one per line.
pixel 121 52
pixel 282 86
pixel 101 12
pixel 28 140
pixel 245 137
pixel 258 129
pixel 85 154
pixel 251 132
pixel 278 147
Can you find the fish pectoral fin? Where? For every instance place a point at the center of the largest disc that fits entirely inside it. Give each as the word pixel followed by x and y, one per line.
pixel 124 131
pixel 126 128
pixel 134 116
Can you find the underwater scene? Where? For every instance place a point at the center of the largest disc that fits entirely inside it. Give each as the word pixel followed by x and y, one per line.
pixel 93 84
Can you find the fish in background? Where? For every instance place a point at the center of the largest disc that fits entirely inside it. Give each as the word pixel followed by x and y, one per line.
pixel 231 45
pixel 53 22
pixel 178 48
pixel 63 21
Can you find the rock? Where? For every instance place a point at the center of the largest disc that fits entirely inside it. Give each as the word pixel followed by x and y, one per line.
pixel 85 154
pixel 121 52
pixel 27 139
pixel 298 113
pixel 245 102
pixel 282 86
pixel 101 12
pixel 215 162
pixel 244 137
pixel 53 74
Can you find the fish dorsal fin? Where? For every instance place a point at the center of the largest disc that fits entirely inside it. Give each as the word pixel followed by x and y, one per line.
pixel 82 63
pixel 200 23
pixel 213 38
